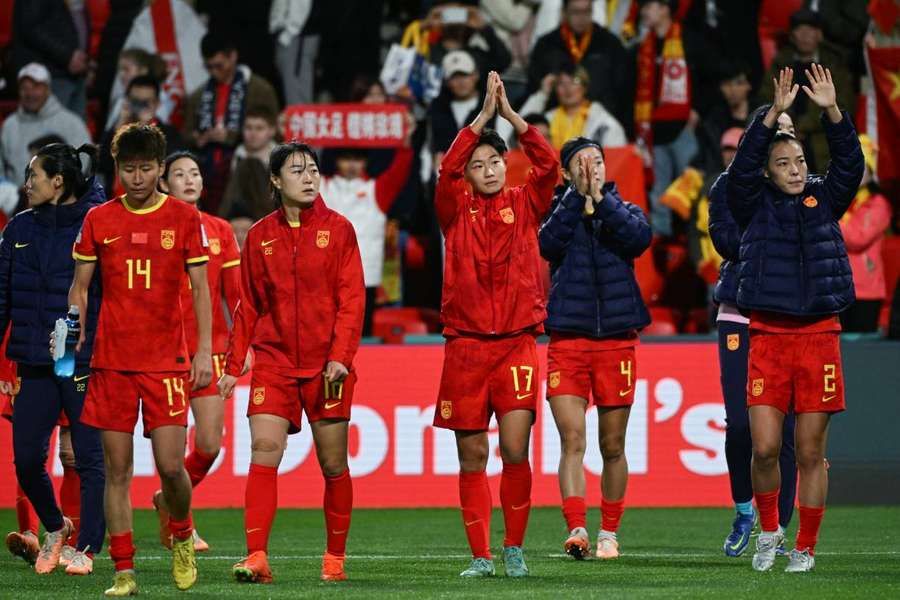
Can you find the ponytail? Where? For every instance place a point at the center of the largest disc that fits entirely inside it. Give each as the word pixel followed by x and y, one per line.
pixel 63 159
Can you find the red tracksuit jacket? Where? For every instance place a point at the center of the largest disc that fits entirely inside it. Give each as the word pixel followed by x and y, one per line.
pixel 492 277
pixel 308 278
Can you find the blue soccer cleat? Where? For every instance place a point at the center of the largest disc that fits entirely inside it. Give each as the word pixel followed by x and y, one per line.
pixel 739 538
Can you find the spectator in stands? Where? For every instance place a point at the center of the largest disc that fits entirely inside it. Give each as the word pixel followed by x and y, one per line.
pixel 241 225
pixel 616 16
pixel 132 63
pixel 575 114
pixel 663 113
pixel 247 192
pixel 55 34
pixel 141 104
pixel 732 110
pixel 295 25
pixel 807 45
pixel 39 113
pixel 513 22
pixel 458 104
pixel 580 41
pixel 214 117
pixel 863 226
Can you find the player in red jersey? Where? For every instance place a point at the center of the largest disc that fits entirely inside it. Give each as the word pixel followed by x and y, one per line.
pixel 302 275
pixel 493 306
pixel 181 178
pixel 142 243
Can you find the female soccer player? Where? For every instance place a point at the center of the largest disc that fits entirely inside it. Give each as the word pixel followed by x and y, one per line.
pixel 591 239
pixel 795 278
pixel 36 267
pixel 181 178
pixel 493 306
pixel 302 272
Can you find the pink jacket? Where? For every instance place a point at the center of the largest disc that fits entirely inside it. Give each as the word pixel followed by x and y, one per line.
pixel 863 227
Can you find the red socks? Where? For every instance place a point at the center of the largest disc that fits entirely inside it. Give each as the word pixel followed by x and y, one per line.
pixel 121 550
pixel 574 510
pixel 515 498
pixel 610 514
pixel 181 530
pixel 198 464
pixel 808 532
pixel 260 503
pixel 27 518
pixel 767 505
pixel 70 499
pixel 475 501
pixel 338 505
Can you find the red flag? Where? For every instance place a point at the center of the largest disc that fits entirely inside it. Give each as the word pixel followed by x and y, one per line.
pixel 884 13
pixel 884 71
pixel 167 48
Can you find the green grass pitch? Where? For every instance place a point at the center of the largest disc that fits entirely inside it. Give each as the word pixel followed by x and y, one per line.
pixel 667 553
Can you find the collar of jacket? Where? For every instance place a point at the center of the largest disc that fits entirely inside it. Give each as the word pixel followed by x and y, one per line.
pixel 63 215
pixel 309 216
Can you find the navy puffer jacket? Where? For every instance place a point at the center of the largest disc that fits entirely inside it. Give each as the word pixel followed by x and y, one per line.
pixel 594 291
pixel 792 254
pixel 36 270
pixel 726 238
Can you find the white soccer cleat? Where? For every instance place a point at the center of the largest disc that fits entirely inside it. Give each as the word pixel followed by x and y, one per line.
pixel 607 546
pixel 800 562
pixel 766 545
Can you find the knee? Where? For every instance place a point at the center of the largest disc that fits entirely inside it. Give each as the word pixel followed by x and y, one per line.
pixel 572 443
pixel 332 467
pixel 612 448
pixel 809 459
pixel 266 451
pixel 513 454
pixel 170 469
pixel 766 453
pixel 117 476
pixel 473 461
pixel 210 444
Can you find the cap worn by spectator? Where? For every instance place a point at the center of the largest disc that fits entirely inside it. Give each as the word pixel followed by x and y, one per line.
pixel 36 72
pixel 458 62
pixel 805 16
pixel 731 138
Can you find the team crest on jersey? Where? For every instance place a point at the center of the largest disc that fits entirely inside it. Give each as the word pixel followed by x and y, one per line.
pixel 259 395
pixel 756 387
pixel 446 409
pixel 810 202
pixel 553 381
pixel 322 238
pixel 215 247
pixel 167 239
pixel 733 341
pixel 507 215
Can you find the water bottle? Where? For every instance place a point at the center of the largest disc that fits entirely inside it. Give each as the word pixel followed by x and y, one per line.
pixel 66 334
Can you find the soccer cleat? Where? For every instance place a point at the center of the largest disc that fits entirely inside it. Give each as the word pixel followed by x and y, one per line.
pixel 25 545
pixel 48 557
pixel 333 568
pixel 81 564
pixel 165 534
pixel 67 554
pixel 800 562
pixel 766 544
pixel 184 564
pixel 779 550
pixel 124 584
pixel 607 546
pixel 253 569
pixel 737 541
pixel 578 546
pixel 514 561
pixel 480 567
pixel 199 544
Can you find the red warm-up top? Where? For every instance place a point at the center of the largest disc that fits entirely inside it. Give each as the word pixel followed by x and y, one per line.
pixel 307 277
pixel 492 275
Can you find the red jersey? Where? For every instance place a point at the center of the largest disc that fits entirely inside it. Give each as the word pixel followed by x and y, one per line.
pixel 307 278
pixel 224 279
pixel 142 257
pixel 492 274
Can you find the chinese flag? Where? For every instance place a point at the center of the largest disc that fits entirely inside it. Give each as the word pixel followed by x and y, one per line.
pixel 884 13
pixel 884 66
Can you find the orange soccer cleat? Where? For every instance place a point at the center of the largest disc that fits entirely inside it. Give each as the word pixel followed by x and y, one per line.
pixel 48 557
pixel 165 534
pixel 577 545
pixel 253 569
pixel 25 545
pixel 200 544
pixel 333 568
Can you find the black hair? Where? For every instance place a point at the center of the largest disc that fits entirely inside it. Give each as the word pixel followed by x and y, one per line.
pixel 536 119
pixel 63 159
pixel 780 138
pixel 280 155
pixel 44 140
pixel 261 111
pixel 138 142
pixel 216 41
pixel 729 69
pixel 491 138
pixel 144 81
pixel 170 160
pixel 568 149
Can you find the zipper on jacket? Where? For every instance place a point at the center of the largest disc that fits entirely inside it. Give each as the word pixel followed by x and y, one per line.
pixel 487 229
pixel 802 248
pixel 294 239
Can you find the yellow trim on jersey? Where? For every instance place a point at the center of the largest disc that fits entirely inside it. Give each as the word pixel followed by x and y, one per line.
pixel 83 257
pixel 232 263
pixel 197 260
pixel 144 211
pixel 294 224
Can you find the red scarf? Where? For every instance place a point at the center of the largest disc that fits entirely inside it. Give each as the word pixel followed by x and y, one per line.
pixel 167 48
pixel 671 100
pixel 576 47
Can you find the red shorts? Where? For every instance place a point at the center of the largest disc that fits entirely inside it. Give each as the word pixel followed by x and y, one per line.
pixel 7 413
pixel 483 376
pixel 288 397
pixel 114 397
pixel 597 369
pixel 802 369
pixel 218 364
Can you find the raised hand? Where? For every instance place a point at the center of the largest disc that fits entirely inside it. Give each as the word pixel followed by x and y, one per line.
pixel 489 108
pixel 785 90
pixel 503 105
pixel 821 90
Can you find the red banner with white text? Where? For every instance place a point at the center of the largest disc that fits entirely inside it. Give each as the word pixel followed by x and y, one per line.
pixel 346 125
pixel 675 444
